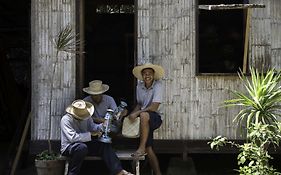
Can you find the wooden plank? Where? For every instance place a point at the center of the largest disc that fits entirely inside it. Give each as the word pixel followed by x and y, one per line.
pixel 230 6
pixel 15 163
pixel 246 43
pixel 122 155
pixel 160 146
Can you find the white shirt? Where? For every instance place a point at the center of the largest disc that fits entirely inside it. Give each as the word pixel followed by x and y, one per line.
pixel 146 96
pixel 73 130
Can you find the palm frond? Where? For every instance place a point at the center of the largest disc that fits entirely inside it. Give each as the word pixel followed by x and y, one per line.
pixel 67 40
pixel 261 102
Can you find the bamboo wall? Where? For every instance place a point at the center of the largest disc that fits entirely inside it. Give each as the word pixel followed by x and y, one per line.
pixel 166 35
pixel 47 18
pixel 266 35
pixel 191 108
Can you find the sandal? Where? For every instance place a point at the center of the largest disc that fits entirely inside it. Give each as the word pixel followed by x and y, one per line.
pixel 124 172
pixel 138 154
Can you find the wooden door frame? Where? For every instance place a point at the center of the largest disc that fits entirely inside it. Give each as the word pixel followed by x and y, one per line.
pixel 80 57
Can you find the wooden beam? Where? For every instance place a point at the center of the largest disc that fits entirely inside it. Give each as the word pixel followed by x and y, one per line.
pixel 23 137
pixel 230 6
pixel 81 57
pixel 160 146
pixel 246 41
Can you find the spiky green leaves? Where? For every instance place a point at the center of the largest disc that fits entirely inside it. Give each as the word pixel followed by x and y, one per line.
pixel 66 40
pixel 261 102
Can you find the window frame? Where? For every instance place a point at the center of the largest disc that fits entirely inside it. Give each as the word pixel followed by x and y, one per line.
pixel 246 20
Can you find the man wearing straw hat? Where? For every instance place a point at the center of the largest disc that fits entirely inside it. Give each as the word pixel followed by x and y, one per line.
pixel 76 128
pixel 149 97
pixel 101 101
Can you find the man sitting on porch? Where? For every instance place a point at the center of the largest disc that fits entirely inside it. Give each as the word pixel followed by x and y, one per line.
pixel 76 142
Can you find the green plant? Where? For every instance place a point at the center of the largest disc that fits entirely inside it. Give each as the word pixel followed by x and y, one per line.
pixel 46 155
pixel 253 157
pixel 260 111
pixel 261 102
pixel 64 41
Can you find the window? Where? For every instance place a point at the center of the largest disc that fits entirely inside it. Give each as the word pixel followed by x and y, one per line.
pixel 221 38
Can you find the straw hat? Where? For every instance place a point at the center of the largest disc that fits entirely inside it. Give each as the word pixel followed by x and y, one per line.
pixel 158 71
pixel 96 87
pixel 80 109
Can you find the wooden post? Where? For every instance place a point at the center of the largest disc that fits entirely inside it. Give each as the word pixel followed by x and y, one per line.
pixel 15 163
pixel 81 57
pixel 246 43
pixel 137 167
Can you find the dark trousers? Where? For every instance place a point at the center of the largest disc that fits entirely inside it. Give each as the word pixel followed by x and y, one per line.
pixel 78 151
pixel 155 122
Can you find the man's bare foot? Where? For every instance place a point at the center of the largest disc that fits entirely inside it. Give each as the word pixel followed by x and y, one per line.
pixel 139 153
pixel 124 172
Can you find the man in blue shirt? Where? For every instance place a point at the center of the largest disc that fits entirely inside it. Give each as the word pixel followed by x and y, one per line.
pixel 101 101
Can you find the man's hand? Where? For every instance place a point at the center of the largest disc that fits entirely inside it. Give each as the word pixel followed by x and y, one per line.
pixel 96 133
pixel 134 115
pixel 104 126
pixel 124 113
pixel 98 120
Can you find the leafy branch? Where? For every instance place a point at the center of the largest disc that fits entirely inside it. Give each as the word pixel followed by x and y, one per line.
pixel 65 41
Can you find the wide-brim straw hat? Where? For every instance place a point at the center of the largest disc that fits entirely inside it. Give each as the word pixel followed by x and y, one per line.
pixel 96 87
pixel 81 109
pixel 158 71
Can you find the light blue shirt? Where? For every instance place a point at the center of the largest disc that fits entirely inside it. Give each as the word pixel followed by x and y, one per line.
pixel 73 130
pixel 146 96
pixel 107 102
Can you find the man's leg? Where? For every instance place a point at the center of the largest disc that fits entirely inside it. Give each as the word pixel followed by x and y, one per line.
pixel 153 161
pixel 154 123
pixel 144 130
pixel 105 151
pixel 76 152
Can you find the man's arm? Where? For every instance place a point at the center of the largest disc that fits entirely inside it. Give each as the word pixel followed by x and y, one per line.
pixel 137 110
pixel 152 107
pixel 98 120
pixel 135 113
pixel 71 134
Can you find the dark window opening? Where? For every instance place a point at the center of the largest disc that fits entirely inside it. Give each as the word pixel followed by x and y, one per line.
pixel 109 49
pixel 221 38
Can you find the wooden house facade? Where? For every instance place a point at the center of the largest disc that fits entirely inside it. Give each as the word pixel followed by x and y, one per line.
pixel 166 32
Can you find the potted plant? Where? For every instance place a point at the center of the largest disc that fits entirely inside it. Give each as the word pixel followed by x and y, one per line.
pixel 48 162
pixel 260 111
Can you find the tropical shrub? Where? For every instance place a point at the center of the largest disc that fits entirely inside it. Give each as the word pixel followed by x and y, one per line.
pixel 253 157
pixel 260 112
pixel 261 103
